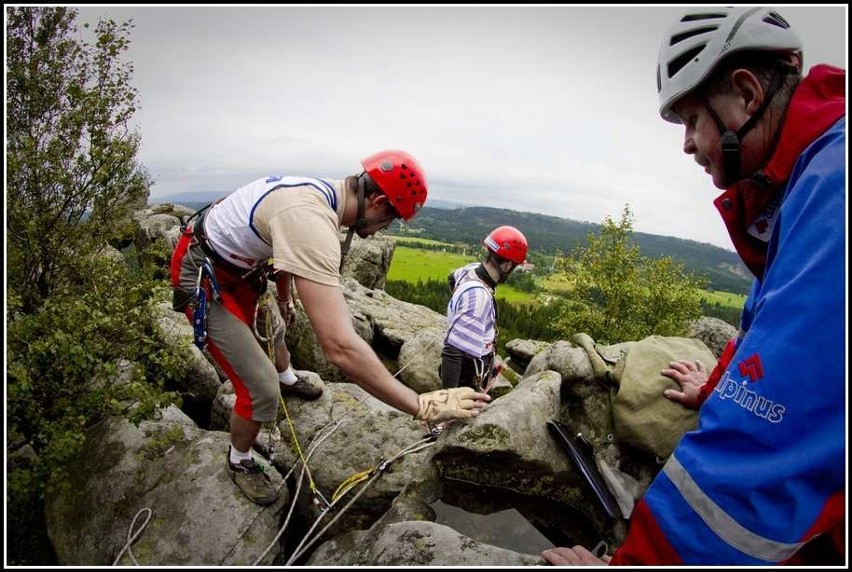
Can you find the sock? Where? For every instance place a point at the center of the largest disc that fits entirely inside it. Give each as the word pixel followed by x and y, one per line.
pixel 237 456
pixel 288 376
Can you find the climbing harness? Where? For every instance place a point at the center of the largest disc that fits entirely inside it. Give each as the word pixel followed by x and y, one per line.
pixel 483 372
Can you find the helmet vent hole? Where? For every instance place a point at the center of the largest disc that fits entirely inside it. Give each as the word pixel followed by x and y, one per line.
pixel 678 38
pixel 703 16
pixel 776 19
pixel 677 64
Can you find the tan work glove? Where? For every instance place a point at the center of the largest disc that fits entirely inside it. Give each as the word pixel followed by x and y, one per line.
pixel 445 404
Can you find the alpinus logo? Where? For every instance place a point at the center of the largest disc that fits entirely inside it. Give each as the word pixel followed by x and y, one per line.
pixel 751 370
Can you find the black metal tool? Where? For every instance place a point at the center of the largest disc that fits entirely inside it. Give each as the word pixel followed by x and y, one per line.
pixel 582 454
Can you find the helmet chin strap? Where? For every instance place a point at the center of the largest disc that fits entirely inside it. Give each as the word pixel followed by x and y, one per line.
pixel 360 221
pixel 730 140
pixel 504 274
pixel 497 265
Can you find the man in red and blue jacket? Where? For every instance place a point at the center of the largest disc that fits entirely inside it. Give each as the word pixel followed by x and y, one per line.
pixel 762 479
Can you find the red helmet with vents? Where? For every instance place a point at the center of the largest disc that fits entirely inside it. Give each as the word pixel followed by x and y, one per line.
pixel 401 178
pixel 507 242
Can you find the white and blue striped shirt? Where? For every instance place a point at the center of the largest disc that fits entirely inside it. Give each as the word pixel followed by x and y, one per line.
pixel 471 314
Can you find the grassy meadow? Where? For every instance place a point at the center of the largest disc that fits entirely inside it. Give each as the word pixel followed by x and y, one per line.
pixel 724 299
pixel 413 264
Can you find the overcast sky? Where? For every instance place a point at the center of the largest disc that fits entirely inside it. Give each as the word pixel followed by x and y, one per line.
pixel 549 109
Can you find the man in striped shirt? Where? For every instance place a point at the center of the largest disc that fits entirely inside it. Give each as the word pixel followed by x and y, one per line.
pixel 468 355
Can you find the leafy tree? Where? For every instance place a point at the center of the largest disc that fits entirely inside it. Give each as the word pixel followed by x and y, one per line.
pixel 72 173
pixel 523 281
pixel 620 295
pixel 82 343
pixel 729 314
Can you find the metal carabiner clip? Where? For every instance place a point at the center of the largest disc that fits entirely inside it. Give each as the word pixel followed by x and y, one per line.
pixel 207 267
pixel 320 501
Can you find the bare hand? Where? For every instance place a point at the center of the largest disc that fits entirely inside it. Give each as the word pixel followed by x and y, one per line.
pixel 691 376
pixel 455 403
pixel 576 556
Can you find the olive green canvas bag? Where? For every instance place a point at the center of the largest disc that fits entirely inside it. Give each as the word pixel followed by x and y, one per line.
pixel 642 416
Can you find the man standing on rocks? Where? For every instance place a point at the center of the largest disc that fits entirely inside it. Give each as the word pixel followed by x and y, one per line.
pixel 287 228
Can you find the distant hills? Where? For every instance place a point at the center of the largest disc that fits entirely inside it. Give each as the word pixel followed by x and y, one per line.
pixel 448 222
pixel 551 235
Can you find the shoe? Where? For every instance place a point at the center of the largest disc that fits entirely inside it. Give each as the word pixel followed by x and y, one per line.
pixel 253 481
pixel 303 387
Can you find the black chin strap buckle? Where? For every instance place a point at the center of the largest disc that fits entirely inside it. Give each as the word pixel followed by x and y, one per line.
pixel 731 155
pixel 730 143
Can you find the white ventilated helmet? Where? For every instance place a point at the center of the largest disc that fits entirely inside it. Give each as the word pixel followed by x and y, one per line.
pixel 702 37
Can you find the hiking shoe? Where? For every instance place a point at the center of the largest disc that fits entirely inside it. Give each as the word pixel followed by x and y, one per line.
pixel 254 483
pixel 304 388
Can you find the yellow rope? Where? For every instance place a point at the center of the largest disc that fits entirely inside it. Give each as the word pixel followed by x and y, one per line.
pixel 344 487
pixel 348 483
pixel 311 482
pixel 270 345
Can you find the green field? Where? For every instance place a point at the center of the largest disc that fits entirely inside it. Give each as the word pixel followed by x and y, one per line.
pixel 417 240
pixel 413 264
pixel 724 299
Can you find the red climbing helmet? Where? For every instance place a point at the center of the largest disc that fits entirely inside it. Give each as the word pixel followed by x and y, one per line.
pixel 507 242
pixel 401 178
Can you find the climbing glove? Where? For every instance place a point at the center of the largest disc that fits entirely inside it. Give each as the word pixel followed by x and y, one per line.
pixel 445 404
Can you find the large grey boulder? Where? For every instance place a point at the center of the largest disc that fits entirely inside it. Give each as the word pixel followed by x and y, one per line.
pixel 198 516
pixel 368 260
pixel 416 543
pixel 715 333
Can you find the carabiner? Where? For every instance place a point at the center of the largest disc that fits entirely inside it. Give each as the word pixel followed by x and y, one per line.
pixel 320 500
pixel 207 267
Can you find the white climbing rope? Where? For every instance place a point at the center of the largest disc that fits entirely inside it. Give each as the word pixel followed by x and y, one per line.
pixel 131 538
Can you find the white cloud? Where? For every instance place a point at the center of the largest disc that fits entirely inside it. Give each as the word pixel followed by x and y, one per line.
pixel 543 108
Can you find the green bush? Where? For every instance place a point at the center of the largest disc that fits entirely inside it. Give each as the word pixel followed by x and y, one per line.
pixel 63 373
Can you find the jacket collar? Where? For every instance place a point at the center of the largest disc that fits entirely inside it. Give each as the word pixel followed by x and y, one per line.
pixel 750 207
